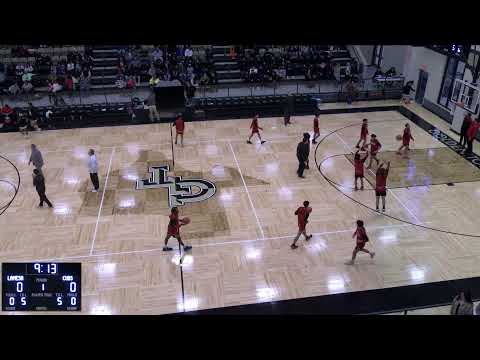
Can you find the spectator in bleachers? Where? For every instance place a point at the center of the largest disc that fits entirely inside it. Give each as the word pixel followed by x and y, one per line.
pixel 27 87
pixel 131 84
pixel 157 54
pixel 69 84
pixel 350 90
pixel 70 67
pixel 7 110
pixel 120 83
pixel 462 304
pixel 154 81
pixel 391 72
pixel 378 72
pixel 85 78
pixel 14 89
pixel 188 52
pixel 27 76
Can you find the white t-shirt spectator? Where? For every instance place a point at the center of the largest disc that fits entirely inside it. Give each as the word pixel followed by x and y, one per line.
pixel 92 164
pixel 188 52
pixel 157 54
pixel 56 87
pixel 14 89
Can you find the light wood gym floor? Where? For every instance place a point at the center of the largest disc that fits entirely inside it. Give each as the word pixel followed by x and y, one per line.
pixel 241 236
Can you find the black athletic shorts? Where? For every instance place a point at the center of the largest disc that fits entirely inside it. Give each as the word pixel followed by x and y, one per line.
pixel 381 193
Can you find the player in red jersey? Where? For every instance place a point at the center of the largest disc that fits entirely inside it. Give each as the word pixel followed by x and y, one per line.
pixel 381 184
pixel 375 147
pixel 406 137
pixel 358 162
pixel 471 135
pixel 174 230
pixel 316 129
pixel 254 126
pixel 302 213
pixel 180 127
pixel 363 133
pixel 362 239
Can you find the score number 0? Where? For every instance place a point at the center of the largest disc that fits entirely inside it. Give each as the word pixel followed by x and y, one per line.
pixel 23 300
pixel 73 288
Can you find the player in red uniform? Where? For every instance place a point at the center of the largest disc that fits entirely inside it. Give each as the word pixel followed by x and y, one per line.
pixel 375 147
pixel 174 230
pixel 406 137
pixel 362 239
pixel 254 126
pixel 180 127
pixel 471 135
pixel 363 133
pixel 302 213
pixel 316 129
pixel 358 162
pixel 381 184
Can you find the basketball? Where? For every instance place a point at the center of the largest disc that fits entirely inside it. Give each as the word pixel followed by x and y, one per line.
pixel 398 137
pixel 185 221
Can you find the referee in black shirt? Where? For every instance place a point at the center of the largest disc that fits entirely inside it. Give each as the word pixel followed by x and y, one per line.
pixel 39 183
pixel 303 149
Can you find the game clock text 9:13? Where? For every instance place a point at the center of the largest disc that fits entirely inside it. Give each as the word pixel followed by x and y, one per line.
pixel 41 286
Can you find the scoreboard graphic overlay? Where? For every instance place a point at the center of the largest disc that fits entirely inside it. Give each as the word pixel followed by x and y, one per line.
pixel 41 286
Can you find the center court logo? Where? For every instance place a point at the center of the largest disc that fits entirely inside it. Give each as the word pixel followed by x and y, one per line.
pixel 180 191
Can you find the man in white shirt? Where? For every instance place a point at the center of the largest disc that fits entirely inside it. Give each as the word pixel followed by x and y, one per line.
pixel 93 170
pixel 188 52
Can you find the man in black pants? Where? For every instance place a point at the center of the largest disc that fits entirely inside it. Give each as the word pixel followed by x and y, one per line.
pixel 467 120
pixel 39 183
pixel 302 154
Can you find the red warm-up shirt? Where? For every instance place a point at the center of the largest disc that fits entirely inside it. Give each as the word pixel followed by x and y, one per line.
pixel 407 136
pixel 173 225
pixel 375 146
pixel 359 166
pixel 381 182
pixel 364 131
pixel 254 126
pixel 473 130
pixel 180 125
pixel 302 214
pixel 316 128
pixel 361 235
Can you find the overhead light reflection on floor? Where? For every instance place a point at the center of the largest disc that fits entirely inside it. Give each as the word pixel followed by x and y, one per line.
pixel 107 268
pixel 285 193
pixel 336 284
pixel 417 274
pixel 100 310
pixel 190 304
pixel 61 209
pixel 266 293
pixel 253 254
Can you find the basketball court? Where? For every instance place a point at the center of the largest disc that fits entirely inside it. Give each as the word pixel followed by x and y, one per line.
pixel 241 235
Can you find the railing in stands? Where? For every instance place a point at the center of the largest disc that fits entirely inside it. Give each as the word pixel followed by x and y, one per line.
pixel 364 87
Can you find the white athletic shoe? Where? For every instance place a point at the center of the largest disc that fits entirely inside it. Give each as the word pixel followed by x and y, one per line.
pixel 94 190
pixel 350 262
